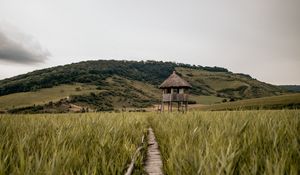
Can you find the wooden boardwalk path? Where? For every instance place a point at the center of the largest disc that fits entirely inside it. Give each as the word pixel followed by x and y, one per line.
pixel 153 163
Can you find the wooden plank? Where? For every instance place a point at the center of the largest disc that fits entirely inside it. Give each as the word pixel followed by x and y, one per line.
pixel 153 163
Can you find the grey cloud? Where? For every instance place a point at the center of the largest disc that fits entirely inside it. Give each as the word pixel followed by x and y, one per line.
pixel 20 48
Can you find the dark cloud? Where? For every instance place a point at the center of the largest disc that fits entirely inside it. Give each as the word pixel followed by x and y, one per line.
pixel 20 48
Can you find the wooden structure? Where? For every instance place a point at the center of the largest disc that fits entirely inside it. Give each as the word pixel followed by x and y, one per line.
pixel 153 165
pixel 175 90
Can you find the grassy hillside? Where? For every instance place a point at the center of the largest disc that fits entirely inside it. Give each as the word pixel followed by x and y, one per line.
pixel 226 84
pixel 274 102
pixel 123 84
pixel 44 96
pixel 119 93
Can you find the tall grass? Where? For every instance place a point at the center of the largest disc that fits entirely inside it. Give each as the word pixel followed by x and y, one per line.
pixel 245 142
pixel 69 143
pixel 235 142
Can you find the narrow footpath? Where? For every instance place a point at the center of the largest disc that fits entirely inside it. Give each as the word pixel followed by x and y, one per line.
pixel 153 163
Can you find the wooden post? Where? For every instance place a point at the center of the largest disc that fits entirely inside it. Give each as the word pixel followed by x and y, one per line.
pixel 171 105
pixel 162 109
pixel 186 106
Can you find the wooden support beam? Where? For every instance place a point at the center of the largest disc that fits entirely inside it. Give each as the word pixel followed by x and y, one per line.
pixel 186 106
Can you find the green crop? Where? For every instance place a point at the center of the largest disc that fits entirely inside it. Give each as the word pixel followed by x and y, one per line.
pixel 238 142
pixel 69 144
pixel 228 142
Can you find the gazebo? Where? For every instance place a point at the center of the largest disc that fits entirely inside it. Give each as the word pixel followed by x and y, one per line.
pixel 175 89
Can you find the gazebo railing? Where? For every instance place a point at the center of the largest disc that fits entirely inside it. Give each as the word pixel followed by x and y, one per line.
pixel 175 97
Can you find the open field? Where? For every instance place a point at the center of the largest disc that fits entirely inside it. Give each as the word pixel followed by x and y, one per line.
pixel 247 142
pixel 273 102
pixel 44 96
pixel 228 142
pixel 69 144
pixel 205 99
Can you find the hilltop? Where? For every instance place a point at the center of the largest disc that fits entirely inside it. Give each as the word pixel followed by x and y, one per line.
pixel 111 84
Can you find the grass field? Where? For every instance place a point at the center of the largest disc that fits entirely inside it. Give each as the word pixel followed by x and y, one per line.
pixel 273 102
pixel 69 144
pixel 205 100
pixel 44 95
pixel 247 142
pixel 228 142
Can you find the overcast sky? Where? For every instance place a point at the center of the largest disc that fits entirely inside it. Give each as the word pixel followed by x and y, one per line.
pixel 256 37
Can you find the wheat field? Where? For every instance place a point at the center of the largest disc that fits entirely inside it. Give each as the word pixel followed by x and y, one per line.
pixel 228 142
pixel 69 143
pixel 236 142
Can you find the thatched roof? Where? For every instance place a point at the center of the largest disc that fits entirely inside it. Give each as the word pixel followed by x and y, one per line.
pixel 174 81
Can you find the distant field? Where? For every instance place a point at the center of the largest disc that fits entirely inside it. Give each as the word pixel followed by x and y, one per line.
pixel 44 95
pixel 227 142
pixel 274 102
pixel 204 99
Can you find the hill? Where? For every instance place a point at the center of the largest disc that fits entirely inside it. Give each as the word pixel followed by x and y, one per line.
pixel 122 84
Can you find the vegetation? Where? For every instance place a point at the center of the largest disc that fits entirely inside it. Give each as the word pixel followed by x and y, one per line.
pixel 226 84
pixel 127 83
pixel 291 88
pixel 44 96
pixel 248 142
pixel 206 100
pixel 287 101
pixel 230 142
pixel 70 144
pixel 118 93
pixel 100 101
pixel 93 72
